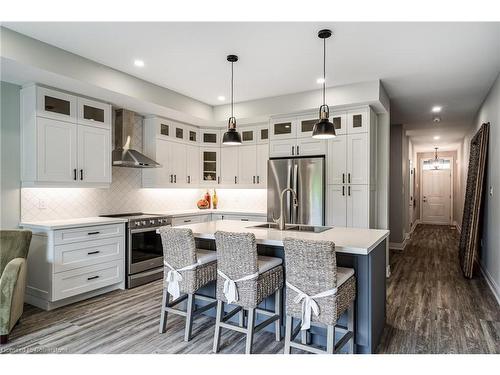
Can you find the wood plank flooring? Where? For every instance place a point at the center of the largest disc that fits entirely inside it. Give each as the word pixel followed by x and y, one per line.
pixel 431 308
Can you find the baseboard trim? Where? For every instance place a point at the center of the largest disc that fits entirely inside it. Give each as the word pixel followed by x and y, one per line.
pixel 398 245
pixel 415 223
pixel 459 227
pixel 491 283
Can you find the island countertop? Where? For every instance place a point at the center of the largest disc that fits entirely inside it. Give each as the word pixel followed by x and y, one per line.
pixel 347 240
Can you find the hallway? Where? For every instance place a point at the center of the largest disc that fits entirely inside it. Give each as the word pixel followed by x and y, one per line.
pixel 431 308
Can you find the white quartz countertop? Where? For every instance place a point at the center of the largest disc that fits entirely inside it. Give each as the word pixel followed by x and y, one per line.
pixel 347 240
pixel 70 223
pixel 197 211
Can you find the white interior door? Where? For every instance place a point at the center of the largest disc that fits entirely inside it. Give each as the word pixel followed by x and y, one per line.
pixel 436 196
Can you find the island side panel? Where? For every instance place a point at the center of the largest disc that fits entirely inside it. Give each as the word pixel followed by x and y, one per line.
pixel 378 293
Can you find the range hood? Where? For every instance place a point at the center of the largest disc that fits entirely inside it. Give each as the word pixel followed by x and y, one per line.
pixel 123 155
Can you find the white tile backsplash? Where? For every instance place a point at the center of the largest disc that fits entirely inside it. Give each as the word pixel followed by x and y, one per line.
pixel 126 195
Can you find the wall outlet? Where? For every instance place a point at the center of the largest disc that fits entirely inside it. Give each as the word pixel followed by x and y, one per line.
pixel 42 204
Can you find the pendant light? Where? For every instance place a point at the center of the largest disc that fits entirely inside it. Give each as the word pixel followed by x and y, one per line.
pixel 436 163
pixel 231 137
pixel 324 129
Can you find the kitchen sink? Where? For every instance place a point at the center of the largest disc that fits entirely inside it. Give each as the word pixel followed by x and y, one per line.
pixel 294 227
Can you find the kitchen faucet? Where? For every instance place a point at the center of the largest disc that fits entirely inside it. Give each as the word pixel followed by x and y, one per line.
pixel 281 220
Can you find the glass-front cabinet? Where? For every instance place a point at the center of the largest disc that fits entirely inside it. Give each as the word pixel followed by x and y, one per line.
pixel 283 128
pixel 210 137
pixel 210 165
pixel 305 125
pixel 94 113
pixel 339 120
pixel 55 105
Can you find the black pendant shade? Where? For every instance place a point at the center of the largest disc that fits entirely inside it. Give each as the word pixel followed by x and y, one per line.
pixel 324 129
pixel 231 137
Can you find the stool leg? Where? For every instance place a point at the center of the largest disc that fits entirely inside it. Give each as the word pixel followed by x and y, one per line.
pixel 250 330
pixel 218 319
pixel 350 327
pixel 277 310
pixel 330 339
pixel 189 317
pixel 163 316
pixel 288 333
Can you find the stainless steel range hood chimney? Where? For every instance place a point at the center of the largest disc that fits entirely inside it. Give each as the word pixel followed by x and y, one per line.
pixel 123 155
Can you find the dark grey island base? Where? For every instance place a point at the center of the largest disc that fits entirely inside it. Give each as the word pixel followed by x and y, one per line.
pixel 370 299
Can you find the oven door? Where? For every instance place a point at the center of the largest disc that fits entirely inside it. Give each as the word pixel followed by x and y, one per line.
pixel 145 251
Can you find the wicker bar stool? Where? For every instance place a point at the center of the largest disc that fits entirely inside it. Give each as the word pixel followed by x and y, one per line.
pixel 318 292
pixel 245 279
pixel 186 270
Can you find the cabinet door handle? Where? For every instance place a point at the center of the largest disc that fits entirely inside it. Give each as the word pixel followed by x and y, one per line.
pixel 235 179
pixel 92 278
pixel 258 179
pixel 218 179
pixel 349 190
pixel 93 252
pixel 74 174
pixel 92 233
pixel 293 147
pixel 343 190
pixel 254 179
pixel 349 177
pixel 187 221
pixel 297 150
pixel 175 178
pixel 171 178
pixel 81 174
pixel 189 179
pixel 244 219
pixel 343 178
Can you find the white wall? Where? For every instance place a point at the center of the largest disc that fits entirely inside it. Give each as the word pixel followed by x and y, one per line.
pixel 489 255
pixel 9 156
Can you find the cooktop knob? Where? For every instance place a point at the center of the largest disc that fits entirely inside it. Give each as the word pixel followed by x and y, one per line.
pixel 152 222
pixel 143 222
pixel 137 223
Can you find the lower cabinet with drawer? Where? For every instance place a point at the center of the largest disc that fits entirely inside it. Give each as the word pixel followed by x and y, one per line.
pixel 191 219
pixel 72 264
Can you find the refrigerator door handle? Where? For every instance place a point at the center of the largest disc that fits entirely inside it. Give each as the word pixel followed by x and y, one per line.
pixel 295 186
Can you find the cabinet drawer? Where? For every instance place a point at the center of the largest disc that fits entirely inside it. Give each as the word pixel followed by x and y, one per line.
pixel 184 220
pixel 82 280
pixel 245 217
pixel 82 254
pixel 94 232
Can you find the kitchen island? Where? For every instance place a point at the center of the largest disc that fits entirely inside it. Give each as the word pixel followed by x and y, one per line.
pixel 364 250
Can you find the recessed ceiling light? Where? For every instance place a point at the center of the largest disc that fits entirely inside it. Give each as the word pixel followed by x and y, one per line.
pixel 320 80
pixel 436 137
pixel 139 63
pixel 436 109
pixel 221 98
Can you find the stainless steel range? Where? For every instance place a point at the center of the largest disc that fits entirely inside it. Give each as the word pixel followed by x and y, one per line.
pixel 144 252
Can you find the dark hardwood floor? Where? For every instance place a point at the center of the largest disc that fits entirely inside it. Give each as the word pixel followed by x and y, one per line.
pixel 431 308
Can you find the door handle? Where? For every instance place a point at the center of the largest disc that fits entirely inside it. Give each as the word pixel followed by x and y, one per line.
pixel 297 150
pixel 343 178
pixel 175 178
pixel 258 179
pixel 74 174
pixel 81 174
pixel 349 177
pixel 93 252
pixel 343 190
pixel 349 190
pixel 218 179
pixel 293 147
pixel 92 278
pixel 92 233
pixel 254 179
pixel 189 179
pixel 171 178
pixel 235 179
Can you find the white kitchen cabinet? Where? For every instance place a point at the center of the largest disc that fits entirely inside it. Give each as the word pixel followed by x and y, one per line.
pixel 190 219
pixel 283 128
pixel 210 137
pixel 262 133
pixel 210 165
pixel 53 104
pixel 358 120
pixel 56 150
pixel 159 150
pixel 310 147
pixel 305 125
pixel 94 113
pixel 247 168
pixel 178 165
pixel 358 209
pixel 282 148
pixel 94 154
pixel 358 160
pixel 336 214
pixel 192 135
pixel 229 165
pixel 262 162
pixel 192 165
pixel 74 264
pixel 337 160
pixel 339 120
pixel 248 135
pixel 348 206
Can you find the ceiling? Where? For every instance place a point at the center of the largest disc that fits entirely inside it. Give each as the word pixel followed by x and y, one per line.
pixel 419 64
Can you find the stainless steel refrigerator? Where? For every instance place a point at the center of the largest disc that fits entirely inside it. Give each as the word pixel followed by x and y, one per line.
pixel 307 177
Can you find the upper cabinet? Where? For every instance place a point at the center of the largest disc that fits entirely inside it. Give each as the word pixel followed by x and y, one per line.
pixel 65 139
pixel 94 113
pixel 358 120
pixel 284 128
pixel 305 125
pixel 339 120
pixel 210 137
pixel 53 104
